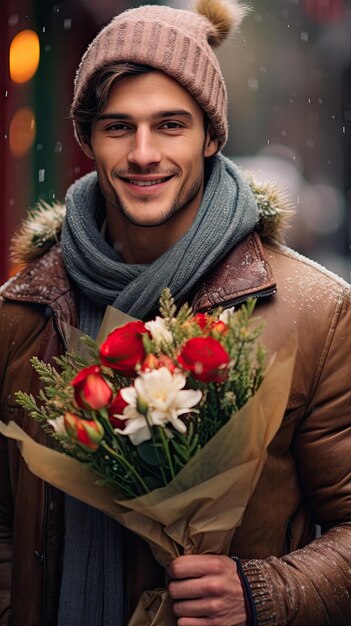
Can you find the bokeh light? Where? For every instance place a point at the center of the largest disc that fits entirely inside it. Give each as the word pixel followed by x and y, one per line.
pixel 22 131
pixel 24 56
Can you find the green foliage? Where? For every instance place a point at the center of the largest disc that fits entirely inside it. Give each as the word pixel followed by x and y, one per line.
pixel 55 397
pixel 136 470
pixel 185 446
pixel 167 305
pixel 245 373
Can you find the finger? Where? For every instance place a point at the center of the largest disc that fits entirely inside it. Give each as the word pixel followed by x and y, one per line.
pixel 204 607
pixel 194 621
pixel 192 566
pixel 205 586
pixel 208 621
pixel 184 589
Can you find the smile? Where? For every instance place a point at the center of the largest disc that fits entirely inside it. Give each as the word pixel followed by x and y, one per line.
pixel 146 186
pixel 146 183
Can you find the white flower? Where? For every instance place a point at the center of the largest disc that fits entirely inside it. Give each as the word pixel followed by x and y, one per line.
pixel 136 429
pixel 58 425
pixel 226 315
pixel 162 392
pixel 159 331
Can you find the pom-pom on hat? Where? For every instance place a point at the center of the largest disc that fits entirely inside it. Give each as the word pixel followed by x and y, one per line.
pixel 174 41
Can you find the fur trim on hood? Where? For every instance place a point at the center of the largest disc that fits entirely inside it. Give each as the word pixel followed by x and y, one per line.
pixel 42 227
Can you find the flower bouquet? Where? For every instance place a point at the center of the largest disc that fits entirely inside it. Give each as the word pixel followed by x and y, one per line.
pixel 163 425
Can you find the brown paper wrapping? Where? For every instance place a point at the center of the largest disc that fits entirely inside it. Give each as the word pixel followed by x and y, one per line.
pixel 200 509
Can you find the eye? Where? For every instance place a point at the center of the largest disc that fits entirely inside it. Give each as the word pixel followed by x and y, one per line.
pixel 117 127
pixel 171 125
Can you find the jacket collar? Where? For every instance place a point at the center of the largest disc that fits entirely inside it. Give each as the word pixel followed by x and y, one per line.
pixel 243 273
pixel 42 281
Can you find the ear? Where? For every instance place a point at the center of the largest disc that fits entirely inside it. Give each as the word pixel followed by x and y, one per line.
pixel 86 147
pixel 211 143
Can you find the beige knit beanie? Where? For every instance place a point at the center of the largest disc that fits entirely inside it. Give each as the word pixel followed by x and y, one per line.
pixel 174 41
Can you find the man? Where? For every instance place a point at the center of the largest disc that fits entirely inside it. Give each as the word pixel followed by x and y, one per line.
pixel 166 209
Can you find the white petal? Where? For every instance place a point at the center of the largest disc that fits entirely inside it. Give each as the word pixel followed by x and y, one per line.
pixel 179 380
pixel 186 410
pixel 129 395
pixel 188 398
pixel 130 413
pixel 120 416
pixel 58 425
pixel 139 383
pixel 159 331
pixel 178 424
pixel 134 425
pixel 163 403
pixel 158 418
pixel 142 435
pixel 226 314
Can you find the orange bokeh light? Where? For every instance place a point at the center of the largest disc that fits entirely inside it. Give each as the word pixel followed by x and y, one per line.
pixel 22 131
pixel 24 56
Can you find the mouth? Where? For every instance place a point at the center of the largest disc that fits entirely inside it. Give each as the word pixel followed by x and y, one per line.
pixel 146 183
pixel 150 184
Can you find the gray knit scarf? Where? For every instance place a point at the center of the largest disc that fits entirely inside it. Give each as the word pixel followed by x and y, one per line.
pixel 92 580
pixel 228 212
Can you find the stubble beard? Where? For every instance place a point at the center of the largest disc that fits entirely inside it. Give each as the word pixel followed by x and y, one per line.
pixel 177 203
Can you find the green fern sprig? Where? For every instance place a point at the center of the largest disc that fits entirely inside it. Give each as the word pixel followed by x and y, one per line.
pixel 167 305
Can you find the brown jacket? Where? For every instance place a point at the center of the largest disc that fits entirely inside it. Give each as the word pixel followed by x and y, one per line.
pixel 306 479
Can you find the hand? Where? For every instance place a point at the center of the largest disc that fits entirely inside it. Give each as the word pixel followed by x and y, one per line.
pixel 207 591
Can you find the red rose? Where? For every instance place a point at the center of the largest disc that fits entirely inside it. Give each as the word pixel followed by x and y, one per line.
pixel 91 390
pixel 205 358
pixel 86 433
pixel 116 408
pixel 201 319
pixel 123 349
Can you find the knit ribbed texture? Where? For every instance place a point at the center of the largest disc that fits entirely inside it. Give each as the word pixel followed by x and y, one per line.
pixel 173 41
pixel 92 585
pixel 261 592
pixel 228 212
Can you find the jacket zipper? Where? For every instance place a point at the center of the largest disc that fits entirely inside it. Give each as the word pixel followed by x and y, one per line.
pixel 265 293
pixel 289 536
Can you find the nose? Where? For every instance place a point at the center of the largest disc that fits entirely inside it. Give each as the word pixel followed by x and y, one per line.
pixel 144 151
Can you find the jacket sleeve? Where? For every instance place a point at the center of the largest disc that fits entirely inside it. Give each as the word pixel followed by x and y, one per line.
pixel 6 508
pixel 313 584
pixel 20 335
pixel 6 517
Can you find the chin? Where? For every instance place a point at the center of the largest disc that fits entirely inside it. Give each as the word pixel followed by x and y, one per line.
pixel 147 218
pixel 146 222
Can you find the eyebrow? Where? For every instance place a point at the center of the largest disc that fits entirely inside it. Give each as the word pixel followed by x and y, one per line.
pixel 155 116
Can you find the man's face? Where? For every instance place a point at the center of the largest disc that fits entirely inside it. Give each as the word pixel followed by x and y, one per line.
pixel 149 146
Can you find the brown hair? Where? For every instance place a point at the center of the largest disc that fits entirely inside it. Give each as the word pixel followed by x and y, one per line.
pixel 96 96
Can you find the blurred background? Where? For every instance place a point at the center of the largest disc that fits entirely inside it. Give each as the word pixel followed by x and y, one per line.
pixel 289 80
